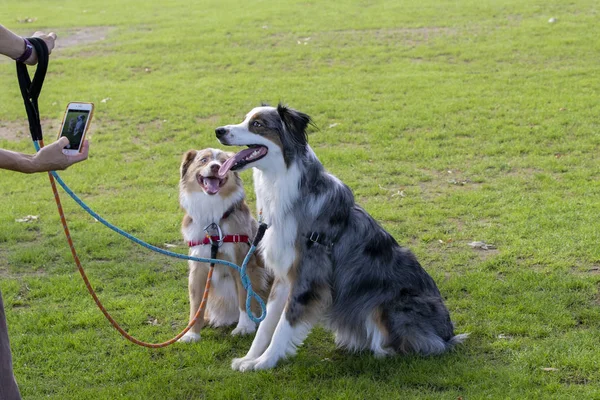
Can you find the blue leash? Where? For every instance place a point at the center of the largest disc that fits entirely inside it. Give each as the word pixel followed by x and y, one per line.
pixel 241 270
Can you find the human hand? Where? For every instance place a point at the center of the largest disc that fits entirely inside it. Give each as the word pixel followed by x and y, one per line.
pixel 49 39
pixel 51 157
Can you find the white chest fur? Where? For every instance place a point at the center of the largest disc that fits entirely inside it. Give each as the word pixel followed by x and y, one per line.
pixel 275 196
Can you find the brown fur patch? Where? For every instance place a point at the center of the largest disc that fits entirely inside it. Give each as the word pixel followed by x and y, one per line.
pixel 187 221
pixel 188 157
pixel 378 319
pixel 264 131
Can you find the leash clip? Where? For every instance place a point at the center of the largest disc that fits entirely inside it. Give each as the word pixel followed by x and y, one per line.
pixel 215 227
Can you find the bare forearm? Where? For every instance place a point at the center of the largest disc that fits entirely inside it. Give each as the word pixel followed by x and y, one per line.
pixel 10 44
pixel 49 158
pixel 13 45
pixel 14 161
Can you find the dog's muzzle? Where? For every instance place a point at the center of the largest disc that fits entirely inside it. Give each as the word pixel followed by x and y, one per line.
pixel 221 132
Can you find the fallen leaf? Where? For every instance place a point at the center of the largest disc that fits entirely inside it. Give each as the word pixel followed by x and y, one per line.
pixel 105 100
pixel 482 245
pixel 459 182
pixel 503 336
pixel 333 125
pixel 169 245
pixel 152 321
pixel 27 218
pixel 549 369
pixel 26 20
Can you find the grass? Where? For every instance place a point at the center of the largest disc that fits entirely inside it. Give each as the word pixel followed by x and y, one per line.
pixel 452 122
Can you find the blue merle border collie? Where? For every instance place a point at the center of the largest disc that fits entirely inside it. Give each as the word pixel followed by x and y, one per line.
pixel 332 262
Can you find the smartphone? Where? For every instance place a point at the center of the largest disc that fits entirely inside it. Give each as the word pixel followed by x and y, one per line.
pixel 75 124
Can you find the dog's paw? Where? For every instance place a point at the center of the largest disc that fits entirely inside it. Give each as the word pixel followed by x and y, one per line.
pixel 263 362
pixel 243 364
pixel 189 337
pixel 253 364
pixel 244 329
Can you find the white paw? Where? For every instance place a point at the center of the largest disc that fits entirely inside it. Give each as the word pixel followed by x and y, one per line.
pixel 189 337
pixel 253 364
pixel 242 364
pixel 244 329
pixel 263 362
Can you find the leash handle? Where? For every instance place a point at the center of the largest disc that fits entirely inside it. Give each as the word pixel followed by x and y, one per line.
pixel 30 90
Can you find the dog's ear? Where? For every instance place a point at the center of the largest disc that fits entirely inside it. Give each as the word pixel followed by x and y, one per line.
pixel 295 122
pixel 188 157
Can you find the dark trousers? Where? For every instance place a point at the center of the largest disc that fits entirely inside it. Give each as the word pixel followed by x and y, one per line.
pixel 8 386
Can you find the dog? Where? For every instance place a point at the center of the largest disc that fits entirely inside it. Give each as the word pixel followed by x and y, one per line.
pixel 207 199
pixel 79 125
pixel 332 262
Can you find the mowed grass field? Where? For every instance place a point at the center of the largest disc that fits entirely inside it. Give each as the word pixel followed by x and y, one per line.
pixel 453 122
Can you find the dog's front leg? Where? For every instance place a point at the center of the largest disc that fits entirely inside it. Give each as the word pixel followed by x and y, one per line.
pixel 275 305
pixel 310 296
pixel 196 284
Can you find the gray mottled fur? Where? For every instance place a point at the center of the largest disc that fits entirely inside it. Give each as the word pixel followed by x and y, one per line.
pixel 366 276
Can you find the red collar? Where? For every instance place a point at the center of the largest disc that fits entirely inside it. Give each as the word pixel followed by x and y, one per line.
pixel 226 239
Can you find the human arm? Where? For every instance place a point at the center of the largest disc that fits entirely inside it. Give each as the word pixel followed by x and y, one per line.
pixel 13 45
pixel 49 158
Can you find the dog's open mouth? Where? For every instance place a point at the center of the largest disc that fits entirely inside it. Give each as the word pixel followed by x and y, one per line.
pixel 211 184
pixel 251 154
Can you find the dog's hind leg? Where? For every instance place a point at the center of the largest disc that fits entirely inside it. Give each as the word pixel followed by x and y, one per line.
pixel 196 283
pixel 279 294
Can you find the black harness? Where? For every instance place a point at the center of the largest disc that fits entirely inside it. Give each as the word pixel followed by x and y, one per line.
pixel 319 238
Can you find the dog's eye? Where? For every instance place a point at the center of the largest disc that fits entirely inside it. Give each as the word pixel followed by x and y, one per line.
pixel 256 124
pixel 204 160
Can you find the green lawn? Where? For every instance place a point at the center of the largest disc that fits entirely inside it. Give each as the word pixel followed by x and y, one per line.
pixel 453 122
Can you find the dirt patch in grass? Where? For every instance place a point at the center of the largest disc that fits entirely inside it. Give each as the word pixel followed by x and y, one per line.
pixel 407 36
pixel 71 37
pixel 17 131
pixel 403 36
pixel 593 270
pixel 80 36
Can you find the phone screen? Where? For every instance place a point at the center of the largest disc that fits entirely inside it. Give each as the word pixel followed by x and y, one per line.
pixel 74 127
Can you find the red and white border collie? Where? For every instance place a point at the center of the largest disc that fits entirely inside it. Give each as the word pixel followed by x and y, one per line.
pixel 209 198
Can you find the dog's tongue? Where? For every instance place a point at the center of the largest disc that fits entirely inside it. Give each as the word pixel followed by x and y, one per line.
pixel 230 163
pixel 212 185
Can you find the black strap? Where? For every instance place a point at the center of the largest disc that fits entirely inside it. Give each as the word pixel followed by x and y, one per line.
pixel 230 210
pixel 214 250
pixel 260 233
pixel 30 90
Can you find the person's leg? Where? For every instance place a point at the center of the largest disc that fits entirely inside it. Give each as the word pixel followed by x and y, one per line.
pixel 8 386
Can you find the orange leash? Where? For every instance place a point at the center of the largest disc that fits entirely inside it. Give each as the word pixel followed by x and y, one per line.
pixel 114 323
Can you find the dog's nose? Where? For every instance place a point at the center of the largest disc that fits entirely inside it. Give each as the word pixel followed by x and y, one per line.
pixel 215 168
pixel 221 131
